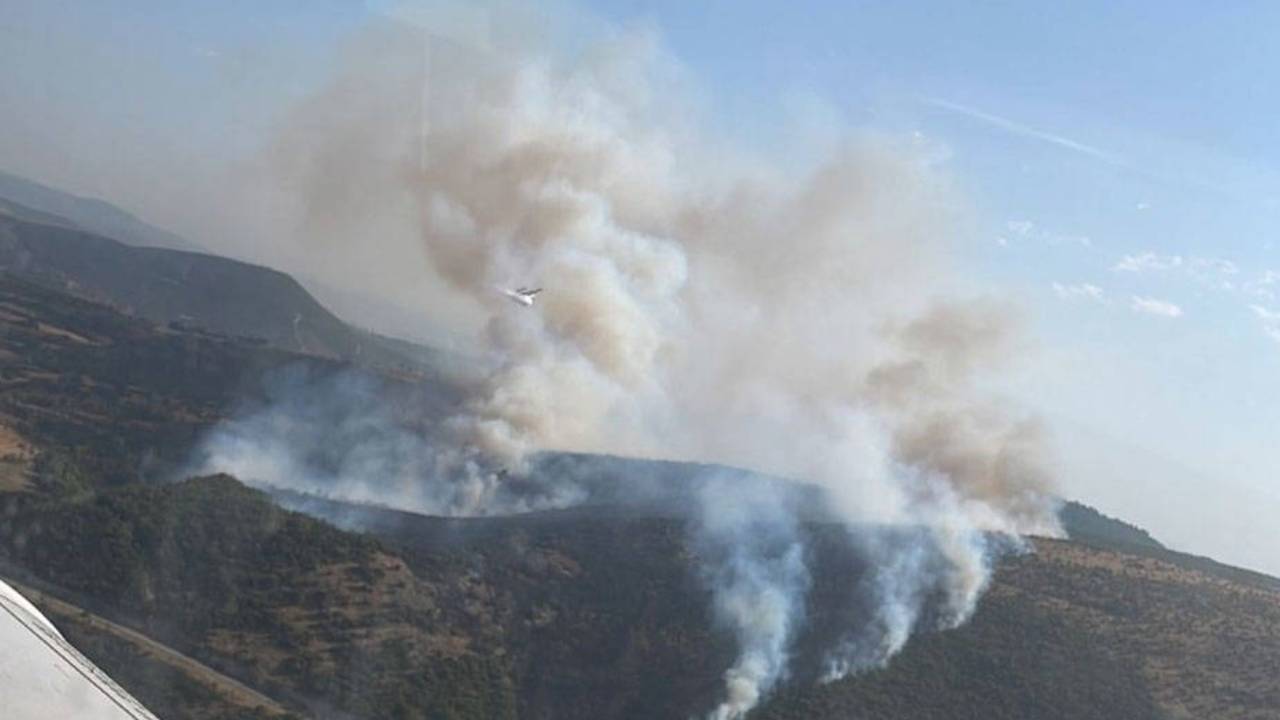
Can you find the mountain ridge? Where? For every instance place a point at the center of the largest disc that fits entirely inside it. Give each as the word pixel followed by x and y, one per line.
pixel 200 291
pixel 90 214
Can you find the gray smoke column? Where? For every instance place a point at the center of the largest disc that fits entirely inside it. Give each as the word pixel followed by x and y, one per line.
pixel 754 563
pixel 807 319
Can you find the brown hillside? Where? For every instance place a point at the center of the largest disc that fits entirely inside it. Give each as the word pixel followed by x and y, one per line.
pixel 588 613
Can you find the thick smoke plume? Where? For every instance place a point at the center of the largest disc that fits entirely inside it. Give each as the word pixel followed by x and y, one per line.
pixel 806 322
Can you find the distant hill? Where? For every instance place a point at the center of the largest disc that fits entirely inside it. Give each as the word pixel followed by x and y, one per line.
pixel 89 214
pixel 13 209
pixel 198 291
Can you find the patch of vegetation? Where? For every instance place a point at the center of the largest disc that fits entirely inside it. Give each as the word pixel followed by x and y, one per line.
pixel 1086 524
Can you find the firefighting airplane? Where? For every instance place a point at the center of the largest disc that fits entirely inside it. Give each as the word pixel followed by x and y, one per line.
pixel 522 295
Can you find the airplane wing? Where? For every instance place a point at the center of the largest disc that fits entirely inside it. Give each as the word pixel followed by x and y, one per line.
pixel 43 676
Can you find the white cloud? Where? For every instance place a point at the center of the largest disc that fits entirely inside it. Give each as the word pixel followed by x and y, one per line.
pixel 1147 261
pixel 1027 230
pixel 1265 315
pixel 1081 291
pixel 1213 265
pixel 1270 320
pixel 1263 287
pixel 1215 273
pixel 1152 306
pixel 1200 268
pixel 1021 228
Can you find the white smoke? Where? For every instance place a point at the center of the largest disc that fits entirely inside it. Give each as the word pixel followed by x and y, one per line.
pixel 754 563
pixel 343 436
pixel 806 323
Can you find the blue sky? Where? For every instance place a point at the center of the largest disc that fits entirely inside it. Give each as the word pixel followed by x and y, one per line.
pixel 1122 159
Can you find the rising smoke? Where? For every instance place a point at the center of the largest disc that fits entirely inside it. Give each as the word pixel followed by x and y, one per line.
pixel 809 323
pixel 754 561
pixel 345 436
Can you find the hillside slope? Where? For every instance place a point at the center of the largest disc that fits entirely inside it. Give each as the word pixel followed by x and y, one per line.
pixel 565 615
pixel 589 612
pixel 1077 631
